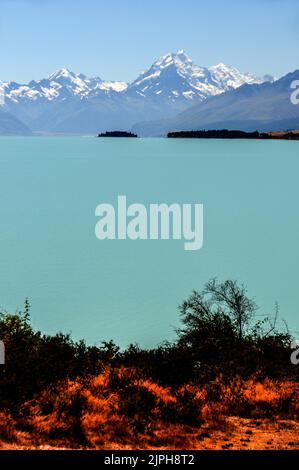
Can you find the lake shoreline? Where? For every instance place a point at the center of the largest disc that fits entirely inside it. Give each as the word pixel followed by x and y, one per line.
pixel 234 134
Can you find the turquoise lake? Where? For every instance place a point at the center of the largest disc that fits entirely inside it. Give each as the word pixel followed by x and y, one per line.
pixel 126 290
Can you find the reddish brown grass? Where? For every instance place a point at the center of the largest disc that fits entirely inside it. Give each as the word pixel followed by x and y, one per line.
pixel 118 409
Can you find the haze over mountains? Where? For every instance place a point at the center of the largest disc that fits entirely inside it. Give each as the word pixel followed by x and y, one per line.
pixel 262 107
pixel 9 125
pixel 67 102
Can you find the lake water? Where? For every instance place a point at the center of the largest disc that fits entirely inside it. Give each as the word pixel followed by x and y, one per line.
pixel 129 290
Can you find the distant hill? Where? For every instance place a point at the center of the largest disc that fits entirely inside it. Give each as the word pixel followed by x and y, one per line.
pixel 262 107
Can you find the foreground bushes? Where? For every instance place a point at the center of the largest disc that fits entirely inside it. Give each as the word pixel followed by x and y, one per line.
pixel 118 408
pixel 222 363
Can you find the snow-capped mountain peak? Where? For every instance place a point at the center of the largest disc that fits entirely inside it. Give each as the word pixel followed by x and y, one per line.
pixel 175 76
pixel 60 85
pixel 170 85
pixel 229 77
pixel 170 76
pixel 171 58
pixel 65 73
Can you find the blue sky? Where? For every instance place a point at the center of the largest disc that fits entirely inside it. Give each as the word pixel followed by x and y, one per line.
pixel 117 39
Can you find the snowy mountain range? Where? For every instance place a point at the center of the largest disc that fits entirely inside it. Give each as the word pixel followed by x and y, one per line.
pixel 264 107
pixel 67 102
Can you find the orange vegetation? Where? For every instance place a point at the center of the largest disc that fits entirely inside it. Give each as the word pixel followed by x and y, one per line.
pixel 119 409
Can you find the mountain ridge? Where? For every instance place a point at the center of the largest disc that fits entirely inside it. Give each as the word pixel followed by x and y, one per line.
pixel 68 102
pixel 264 107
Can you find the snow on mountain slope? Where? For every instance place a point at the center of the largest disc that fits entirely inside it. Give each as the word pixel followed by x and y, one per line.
pixel 228 78
pixel 172 84
pixel 175 76
pixel 115 86
pixel 61 85
pixel 264 107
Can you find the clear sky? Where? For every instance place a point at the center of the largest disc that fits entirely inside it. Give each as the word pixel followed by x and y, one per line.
pixel 117 39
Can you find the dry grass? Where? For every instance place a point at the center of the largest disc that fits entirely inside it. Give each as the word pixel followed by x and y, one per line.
pixel 284 134
pixel 120 410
